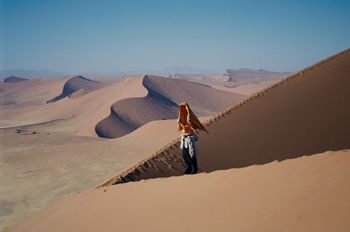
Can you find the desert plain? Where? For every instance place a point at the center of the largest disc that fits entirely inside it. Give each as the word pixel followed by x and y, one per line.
pixel 84 154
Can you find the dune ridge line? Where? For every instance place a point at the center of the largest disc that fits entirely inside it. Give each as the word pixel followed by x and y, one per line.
pixel 165 158
pixel 124 123
pixel 161 101
pixel 262 92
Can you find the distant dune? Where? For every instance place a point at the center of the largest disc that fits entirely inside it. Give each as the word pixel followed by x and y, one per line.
pixel 30 92
pixel 78 83
pixel 243 81
pixel 26 92
pixel 13 79
pixel 70 114
pixel 239 77
pixel 232 74
pixel 162 101
pixel 131 103
pixel 303 114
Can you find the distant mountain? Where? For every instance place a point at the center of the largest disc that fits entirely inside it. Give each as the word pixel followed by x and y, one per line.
pixel 186 70
pixel 112 73
pixel 28 73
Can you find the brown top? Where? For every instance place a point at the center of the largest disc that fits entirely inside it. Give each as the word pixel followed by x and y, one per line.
pixel 185 128
pixel 188 122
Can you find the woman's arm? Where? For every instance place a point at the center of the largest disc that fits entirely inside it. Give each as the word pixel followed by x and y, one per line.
pixel 179 124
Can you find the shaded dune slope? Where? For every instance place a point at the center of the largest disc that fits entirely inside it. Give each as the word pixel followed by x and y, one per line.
pixel 303 114
pixel 77 83
pixel 129 114
pixel 162 101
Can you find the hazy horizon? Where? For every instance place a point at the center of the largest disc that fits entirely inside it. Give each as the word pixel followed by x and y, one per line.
pixel 86 36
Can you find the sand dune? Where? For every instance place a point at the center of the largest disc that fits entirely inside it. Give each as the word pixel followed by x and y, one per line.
pixel 236 74
pixel 203 100
pixel 13 79
pixel 303 194
pixel 79 93
pixel 129 114
pixel 42 167
pixel 162 101
pixel 243 81
pixel 56 163
pixel 247 76
pixel 74 115
pixel 30 92
pixel 303 114
pixel 77 83
pixel 133 102
pixel 19 93
pixel 263 146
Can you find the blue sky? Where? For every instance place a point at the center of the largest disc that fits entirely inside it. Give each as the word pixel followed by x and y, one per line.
pixel 81 36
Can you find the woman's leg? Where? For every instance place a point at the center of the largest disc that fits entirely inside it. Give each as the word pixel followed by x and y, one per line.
pixel 188 161
pixel 194 164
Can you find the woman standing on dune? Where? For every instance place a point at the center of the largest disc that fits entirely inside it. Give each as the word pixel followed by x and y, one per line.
pixel 188 123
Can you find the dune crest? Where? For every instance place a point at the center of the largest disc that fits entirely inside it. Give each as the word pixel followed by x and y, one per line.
pixel 296 116
pixel 162 101
pixel 75 84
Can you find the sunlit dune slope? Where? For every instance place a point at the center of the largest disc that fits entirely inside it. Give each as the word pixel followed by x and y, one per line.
pixel 42 167
pixel 304 194
pixel 303 114
pixel 79 93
